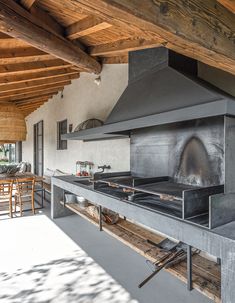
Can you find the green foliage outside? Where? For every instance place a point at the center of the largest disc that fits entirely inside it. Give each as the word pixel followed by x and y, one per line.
pixel 4 154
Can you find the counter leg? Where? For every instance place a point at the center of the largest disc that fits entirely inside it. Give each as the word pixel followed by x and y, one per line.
pixel 58 210
pixel 228 276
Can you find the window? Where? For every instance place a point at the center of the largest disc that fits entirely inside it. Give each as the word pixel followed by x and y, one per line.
pixel 7 153
pixel 61 130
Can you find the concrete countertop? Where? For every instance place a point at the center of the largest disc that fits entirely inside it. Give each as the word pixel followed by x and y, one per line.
pixel 227 230
pixel 219 242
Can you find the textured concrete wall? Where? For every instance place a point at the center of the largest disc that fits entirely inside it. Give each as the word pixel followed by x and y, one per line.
pixel 82 100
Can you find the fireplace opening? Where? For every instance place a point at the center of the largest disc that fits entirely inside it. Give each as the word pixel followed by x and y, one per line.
pixel 194 167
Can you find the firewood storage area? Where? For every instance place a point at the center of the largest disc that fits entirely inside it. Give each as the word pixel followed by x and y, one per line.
pixel 206 274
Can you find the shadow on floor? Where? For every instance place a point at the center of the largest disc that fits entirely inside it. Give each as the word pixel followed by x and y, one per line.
pixel 72 279
pixel 68 260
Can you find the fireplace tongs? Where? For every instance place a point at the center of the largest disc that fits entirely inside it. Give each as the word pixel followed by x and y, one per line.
pixel 176 254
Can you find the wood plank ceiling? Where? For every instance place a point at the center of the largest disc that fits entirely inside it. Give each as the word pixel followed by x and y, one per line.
pixel 45 44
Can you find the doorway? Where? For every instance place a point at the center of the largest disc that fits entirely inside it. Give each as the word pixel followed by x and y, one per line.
pixel 38 148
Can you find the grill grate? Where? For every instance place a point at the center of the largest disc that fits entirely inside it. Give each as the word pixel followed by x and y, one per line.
pixel 162 194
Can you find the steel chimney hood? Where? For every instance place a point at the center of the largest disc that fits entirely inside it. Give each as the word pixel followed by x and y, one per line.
pixel 163 88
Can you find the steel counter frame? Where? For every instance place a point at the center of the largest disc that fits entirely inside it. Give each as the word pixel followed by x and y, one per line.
pixel 219 242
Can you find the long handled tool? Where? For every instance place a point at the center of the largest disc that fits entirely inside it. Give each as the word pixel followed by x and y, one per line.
pixel 160 267
pixel 180 259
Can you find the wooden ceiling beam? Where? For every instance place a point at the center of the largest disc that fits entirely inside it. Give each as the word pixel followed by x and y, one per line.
pixel 48 22
pixel 32 94
pixel 42 75
pixel 4 36
pixel 27 3
pixel 36 102
pixel 31 100
pixel 12 43
pixel 17 22
pixel 30 109
pixel 86 26
pixel 84 9
pixel 116 60
pixel 22 68
pixel 37 82
pixel 27 113
pixel 229 4
pixel 34 89
pixel 198 29
pixel 31 106
pixel 121 46
pixel 12 56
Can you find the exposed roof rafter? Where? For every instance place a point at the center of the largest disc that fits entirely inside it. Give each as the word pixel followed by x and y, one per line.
pixel 122 46
pixel 87 26
pixel 17 22
pixel 191 28
pixel 27 3
pixel 229 4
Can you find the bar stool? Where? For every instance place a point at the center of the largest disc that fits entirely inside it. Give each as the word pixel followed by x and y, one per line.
pixel 24 192
pixel 6 187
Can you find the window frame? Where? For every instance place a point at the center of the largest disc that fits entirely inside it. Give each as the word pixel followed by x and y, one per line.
pixel 61 130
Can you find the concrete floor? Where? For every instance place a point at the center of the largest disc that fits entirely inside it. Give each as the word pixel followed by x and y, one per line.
pixel 69 260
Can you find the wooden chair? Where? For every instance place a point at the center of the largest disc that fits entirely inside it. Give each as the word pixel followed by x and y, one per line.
pixel 24 192
pixel 6 188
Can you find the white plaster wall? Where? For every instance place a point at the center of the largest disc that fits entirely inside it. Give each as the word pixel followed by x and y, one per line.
pixel 82 100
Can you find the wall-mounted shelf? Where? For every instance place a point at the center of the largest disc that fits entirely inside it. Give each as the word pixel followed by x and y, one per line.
pixel 88 135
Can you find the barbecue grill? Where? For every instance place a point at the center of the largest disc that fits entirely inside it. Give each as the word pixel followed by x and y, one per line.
pixel 179 170
pixel 162 194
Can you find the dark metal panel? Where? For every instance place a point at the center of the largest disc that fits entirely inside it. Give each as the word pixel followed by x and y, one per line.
pixel 196 201
pixel 221 209
pixel 158 92
pixel 229 129
pixel 189 268
pixel 142 61
pixel 190 152
pixel 160 81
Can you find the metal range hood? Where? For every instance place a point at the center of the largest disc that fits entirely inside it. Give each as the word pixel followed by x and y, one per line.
pixel 163 88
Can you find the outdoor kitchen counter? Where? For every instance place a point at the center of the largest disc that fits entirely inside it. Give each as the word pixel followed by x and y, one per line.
pixel 219 242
